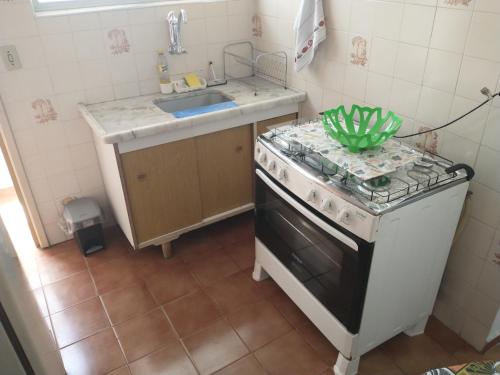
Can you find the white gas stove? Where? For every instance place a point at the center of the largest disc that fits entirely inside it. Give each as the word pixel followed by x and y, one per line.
pixel 363 259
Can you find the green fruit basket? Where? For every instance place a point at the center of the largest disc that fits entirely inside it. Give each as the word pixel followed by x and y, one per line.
pixel 372 128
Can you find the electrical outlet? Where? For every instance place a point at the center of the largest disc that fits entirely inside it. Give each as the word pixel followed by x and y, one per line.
pixel 10 57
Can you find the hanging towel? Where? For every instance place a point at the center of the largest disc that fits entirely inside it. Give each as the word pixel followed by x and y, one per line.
pixel 310 31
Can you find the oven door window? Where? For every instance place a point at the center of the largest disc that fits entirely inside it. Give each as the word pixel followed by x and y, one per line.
pixel 332 271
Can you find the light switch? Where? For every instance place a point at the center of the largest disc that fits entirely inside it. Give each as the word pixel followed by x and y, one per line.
pixel 10 57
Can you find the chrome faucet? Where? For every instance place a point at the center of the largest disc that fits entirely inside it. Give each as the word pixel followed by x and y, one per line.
pixel 174 26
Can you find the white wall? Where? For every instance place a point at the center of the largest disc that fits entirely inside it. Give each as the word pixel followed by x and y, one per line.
pixel 427 61
pixel 70 59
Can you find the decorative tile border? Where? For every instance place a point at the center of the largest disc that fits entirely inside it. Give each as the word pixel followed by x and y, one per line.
pixel 429 141
pixel 44 111
pixel 257 26
pixel 359 55
pixel 465 3
pixel 118 41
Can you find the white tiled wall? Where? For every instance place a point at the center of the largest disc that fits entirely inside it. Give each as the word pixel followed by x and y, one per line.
pixel 72 59
pixel 427 60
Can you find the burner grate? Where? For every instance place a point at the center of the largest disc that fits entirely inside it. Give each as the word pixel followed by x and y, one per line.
pixel 423 174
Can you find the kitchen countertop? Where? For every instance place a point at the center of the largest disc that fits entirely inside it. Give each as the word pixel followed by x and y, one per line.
pixel 127 119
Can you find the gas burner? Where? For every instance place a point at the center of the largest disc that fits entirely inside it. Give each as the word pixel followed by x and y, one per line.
pixel 366 189
pixel 381 182
pixel 424 162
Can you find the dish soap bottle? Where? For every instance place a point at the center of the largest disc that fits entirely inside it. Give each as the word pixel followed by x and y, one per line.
pixel 166 86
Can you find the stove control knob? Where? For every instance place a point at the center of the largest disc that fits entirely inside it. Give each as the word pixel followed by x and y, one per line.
pixel 311 196
pixel 262 158
pixel 281 174
pixel 327 205
pixel 271 166
pixel 346 216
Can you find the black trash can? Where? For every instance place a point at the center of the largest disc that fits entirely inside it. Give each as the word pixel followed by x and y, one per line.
pixel 83 217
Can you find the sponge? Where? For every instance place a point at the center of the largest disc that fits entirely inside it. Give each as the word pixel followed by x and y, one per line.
pixel 192 80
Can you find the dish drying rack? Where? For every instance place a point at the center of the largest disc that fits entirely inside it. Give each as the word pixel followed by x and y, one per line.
pixel 242 60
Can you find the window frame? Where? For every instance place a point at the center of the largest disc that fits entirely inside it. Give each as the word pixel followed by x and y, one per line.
pixel 81 6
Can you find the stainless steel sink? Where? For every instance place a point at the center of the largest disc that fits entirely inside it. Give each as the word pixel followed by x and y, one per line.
pixel 192 101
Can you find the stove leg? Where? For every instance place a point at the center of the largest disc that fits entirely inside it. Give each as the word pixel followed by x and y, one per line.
pixel 166 248
pixel 345 366
pixel 418 328
pixel 259 273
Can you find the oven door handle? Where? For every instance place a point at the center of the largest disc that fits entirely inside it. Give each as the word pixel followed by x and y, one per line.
pixel 308 214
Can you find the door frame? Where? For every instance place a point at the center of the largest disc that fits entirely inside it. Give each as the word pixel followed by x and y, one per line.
pixel 21 184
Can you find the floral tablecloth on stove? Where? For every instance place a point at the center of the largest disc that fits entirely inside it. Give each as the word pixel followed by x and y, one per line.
pixel 473 368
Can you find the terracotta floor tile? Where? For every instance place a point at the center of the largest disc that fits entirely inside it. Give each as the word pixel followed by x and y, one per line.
pixel 191 313
pixel 233 292
pixel 245 366
pixel 449 340
pixel 222 249
pixel 144 334
pixel 215 347
pixel 116 273
pixel 79 321
pixel 467 353
pixel 150 260
pixel 171 360
pixel 258 324
pixel 123 304
pixel 54 268
pixel 242 253
pixel 416 354
pixel 234 230
pixel 120 371
pixel 290 355
pixel 209 270
pixel 375 362
pixel 115 249
pixel 493 353
pixel 196 245
pixel 288 308
pixel 171 283
pixel 319 343
pixel 66 248
pixel 69 291
pixel 265 288
pixel 96 355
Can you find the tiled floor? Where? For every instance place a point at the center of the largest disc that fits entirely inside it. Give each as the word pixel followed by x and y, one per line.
pixel 199 313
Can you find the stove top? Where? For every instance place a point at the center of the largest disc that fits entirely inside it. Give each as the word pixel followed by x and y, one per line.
pixel 379 194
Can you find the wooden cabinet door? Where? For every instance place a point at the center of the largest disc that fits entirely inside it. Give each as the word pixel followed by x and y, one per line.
pixel 226 169
pixel 163 188
pixel 266 125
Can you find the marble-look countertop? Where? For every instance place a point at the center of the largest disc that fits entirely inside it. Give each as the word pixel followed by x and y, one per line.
pixel 127 119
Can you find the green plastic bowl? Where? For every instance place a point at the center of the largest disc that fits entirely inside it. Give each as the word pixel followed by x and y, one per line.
pixel 373 129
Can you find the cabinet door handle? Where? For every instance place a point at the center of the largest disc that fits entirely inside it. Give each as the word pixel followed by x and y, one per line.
pixel 142 176
pixel 239 148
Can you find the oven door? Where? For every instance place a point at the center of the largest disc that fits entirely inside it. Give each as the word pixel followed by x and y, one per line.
pixel 329 261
